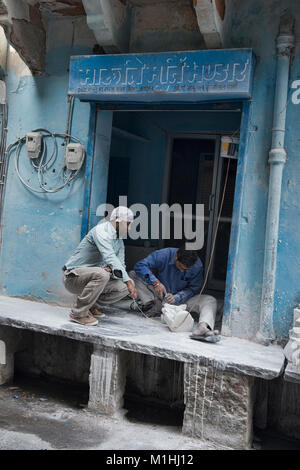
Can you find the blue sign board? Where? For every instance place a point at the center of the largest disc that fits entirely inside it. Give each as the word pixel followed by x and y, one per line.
pixel 192 76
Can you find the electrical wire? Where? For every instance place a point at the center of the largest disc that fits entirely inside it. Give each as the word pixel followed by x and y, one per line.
pixel 213 244
pixel 216 230
pixel 5 152
pixel 217 226
pixel 43 164
pixel 69 120
pixel 3 161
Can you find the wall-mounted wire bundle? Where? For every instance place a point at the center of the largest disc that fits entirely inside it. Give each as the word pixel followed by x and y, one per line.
pixel 41 164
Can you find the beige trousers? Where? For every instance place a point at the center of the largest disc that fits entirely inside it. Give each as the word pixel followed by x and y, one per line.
pixel 203 305
pixel 91 285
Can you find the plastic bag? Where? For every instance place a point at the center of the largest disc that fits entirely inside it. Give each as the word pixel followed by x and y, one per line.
pixel 177 317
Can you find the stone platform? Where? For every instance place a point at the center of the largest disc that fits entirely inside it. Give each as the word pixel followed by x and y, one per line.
pixel 132 332
pixel 218 378
pixel 292 374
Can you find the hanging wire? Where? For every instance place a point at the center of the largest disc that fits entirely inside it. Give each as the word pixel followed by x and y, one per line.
pixel 212 249
pixel 43 164
pixel 217 224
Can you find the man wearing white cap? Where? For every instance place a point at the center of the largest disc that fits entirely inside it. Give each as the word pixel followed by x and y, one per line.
pixel 97 271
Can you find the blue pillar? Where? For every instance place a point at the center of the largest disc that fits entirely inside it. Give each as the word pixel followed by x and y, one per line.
pixel 89 170
pixel 100 163
pixel 277 159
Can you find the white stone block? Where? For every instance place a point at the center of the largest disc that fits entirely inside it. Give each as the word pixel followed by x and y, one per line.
pixel 218 406
pixel 295 333
pixel 2 353
pixel 7 370
pixel 107 381
pixel 296 315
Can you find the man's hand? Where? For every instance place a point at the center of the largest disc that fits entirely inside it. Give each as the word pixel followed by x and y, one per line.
pixel 169 298
pixel 131 289
pixel 108 269
pixel 160 290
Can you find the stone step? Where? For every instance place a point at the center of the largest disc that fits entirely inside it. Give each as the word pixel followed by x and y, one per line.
pixel 296 315
pixel 295 333
pixel 123 330
pixel 292 373
pixel 293 338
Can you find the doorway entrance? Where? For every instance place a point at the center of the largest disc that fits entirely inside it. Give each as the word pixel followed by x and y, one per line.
pixel 195 173
pixel 171 157
pixel 193 91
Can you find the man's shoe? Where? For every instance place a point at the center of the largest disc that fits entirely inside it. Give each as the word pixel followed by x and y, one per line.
pixel 203 333
pixel 89 320
pixel 97 313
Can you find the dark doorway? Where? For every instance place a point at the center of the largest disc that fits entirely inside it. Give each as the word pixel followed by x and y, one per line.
pixel 197 175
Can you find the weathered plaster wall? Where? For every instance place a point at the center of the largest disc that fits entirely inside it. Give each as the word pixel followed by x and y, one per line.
pixel 255 24
pixel 40 231
pixel 164 26
pixel 110 22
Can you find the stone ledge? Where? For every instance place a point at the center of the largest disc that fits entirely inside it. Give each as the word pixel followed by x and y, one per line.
pixel 127 331
pixel 292 374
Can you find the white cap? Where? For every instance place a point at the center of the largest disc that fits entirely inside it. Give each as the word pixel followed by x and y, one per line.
pixel 121 214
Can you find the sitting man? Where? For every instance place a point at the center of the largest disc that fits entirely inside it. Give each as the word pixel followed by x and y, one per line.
pixel 96 271
pixel 178 280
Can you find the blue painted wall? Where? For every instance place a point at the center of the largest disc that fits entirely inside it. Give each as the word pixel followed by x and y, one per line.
pixel 40 231
pixel 255 24
pixel 101 164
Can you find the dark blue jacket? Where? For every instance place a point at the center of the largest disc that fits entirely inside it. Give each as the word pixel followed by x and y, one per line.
pixel 183 285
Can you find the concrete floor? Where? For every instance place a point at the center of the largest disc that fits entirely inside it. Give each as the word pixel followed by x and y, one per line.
pixel 39 416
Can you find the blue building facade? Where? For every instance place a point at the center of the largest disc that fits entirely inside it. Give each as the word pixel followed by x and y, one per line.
pixel 40 231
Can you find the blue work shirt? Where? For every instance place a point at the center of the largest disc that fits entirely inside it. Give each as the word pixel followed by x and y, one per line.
pixel 183 285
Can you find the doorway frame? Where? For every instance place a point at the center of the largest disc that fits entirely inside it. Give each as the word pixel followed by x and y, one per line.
pixel 239 184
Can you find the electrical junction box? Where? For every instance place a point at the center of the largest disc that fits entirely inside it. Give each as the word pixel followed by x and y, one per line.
pixel 74 156
pixel 33 144
pixel 229 147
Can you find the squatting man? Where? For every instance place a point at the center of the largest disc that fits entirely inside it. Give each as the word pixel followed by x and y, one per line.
pixel 96 273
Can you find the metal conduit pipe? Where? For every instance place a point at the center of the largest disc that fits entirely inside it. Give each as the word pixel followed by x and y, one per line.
pixel 277 158
pixel 3 164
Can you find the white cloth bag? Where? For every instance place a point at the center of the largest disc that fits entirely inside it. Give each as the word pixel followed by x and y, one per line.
pixel 177 317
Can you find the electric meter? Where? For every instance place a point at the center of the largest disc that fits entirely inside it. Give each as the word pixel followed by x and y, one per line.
pixel 33 144
pixel 74 156
pixel 229 147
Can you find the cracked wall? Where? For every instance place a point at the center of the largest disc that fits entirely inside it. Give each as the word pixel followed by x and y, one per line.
pixel 166 26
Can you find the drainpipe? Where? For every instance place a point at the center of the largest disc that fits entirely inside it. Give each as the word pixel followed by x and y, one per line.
pixel 277 158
